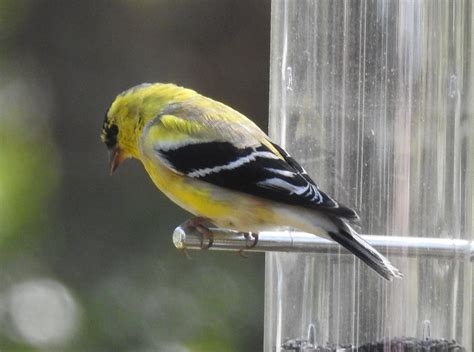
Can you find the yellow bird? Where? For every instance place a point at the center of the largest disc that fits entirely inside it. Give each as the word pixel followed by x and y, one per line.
pixel 218 165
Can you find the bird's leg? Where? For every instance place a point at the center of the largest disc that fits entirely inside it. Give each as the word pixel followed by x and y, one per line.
pixel 199 224
pixel 247 236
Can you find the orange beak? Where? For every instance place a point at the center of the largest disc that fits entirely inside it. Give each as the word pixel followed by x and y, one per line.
pixel 116 158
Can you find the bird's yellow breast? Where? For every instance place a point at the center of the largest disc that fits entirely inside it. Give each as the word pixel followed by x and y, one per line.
pixel 198 201
pixel 225 208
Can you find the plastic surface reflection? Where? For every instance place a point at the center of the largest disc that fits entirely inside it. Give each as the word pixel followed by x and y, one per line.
pixel 375 99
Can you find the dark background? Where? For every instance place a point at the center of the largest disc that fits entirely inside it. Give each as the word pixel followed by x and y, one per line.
pixel 86 260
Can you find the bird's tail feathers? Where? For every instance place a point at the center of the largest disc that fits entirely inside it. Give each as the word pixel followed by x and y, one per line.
pixel 349 239
pixel 331 207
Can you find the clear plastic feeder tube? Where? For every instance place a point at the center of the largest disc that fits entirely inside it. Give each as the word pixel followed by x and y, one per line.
pixel 375 99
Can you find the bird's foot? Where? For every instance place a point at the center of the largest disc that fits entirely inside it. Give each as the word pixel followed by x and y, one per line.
pixel 200 225
pixel 248 236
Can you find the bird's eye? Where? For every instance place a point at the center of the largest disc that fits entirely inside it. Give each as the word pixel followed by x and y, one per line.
pixel 111 136
pixel 113 130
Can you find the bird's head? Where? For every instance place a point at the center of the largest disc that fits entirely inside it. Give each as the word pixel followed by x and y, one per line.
pixel 130 112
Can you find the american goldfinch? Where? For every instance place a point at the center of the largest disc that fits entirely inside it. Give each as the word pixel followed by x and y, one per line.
pixel 218 165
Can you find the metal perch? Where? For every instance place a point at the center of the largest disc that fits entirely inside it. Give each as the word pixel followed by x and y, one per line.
pixel 289 241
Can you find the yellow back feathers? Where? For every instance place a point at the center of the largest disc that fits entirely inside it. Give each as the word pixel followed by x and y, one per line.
pixel 198 115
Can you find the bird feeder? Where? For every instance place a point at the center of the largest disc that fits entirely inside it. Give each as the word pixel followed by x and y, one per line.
pixel 375 99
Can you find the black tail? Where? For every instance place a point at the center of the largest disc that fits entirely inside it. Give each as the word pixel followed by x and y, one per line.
pixel 350 240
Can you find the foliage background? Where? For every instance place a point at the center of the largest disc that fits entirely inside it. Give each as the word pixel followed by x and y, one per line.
pixel 86 260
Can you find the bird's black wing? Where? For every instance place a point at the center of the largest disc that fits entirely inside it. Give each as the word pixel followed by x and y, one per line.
pixel 257 171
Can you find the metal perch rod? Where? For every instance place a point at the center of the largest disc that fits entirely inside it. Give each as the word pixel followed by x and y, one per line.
pixel 289 241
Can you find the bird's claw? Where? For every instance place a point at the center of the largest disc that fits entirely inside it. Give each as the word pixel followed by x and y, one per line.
pixel 198 224
pixel 248 237
pixel 205 234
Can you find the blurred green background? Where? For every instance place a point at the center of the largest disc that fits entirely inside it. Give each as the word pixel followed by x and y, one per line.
pixel 86 260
